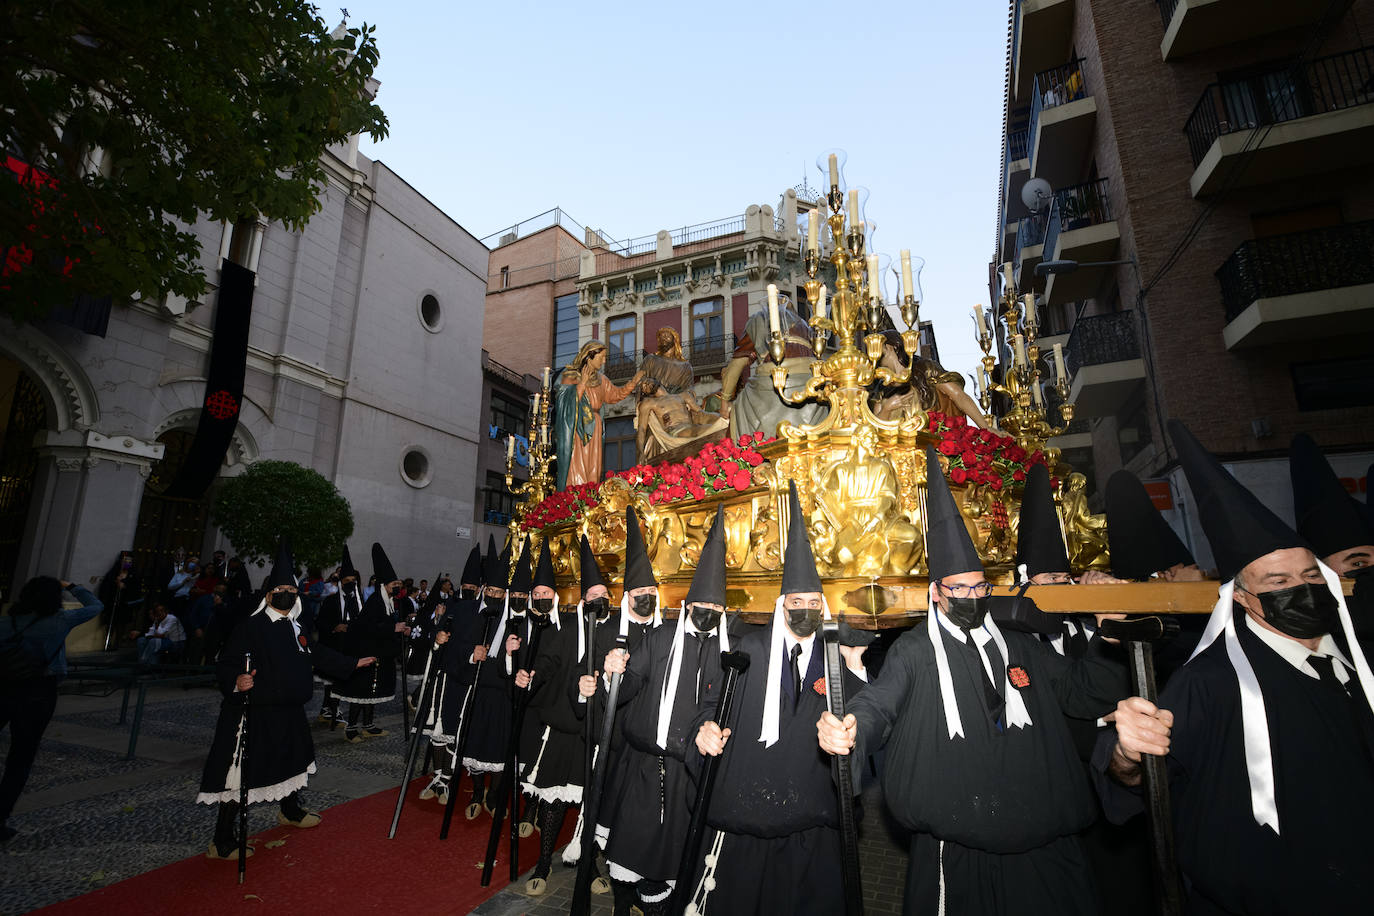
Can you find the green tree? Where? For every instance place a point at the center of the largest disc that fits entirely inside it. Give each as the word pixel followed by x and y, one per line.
pixel 272 498
pixel 140 116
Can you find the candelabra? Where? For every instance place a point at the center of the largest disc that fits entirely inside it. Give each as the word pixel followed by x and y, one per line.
pixel 1026 419
pixel 540 484
pixel 855 308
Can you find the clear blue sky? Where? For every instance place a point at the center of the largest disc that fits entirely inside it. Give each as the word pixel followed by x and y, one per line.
pixel 636 119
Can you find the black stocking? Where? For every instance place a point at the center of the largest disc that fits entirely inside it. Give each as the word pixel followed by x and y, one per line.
pixel 623 893
pixel 531 809
pixel 291 806
pixel 368 712
pixel 551 816
pixel 354 711
pixel 226 827
pixel 479 785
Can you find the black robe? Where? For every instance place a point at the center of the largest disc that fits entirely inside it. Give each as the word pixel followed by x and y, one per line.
pixel 372 633
pixel 454 680
pixel 338 608
pixel 648 798
pixel 1322 743
pixel 489 734
pixel 776 805
pixel 280 753
pixel 554 762
pixel 1005 803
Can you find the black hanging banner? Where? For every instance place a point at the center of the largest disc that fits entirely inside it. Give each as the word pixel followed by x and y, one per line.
pixel 219 413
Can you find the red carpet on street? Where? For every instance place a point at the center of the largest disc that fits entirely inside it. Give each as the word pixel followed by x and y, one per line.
pixel 346 865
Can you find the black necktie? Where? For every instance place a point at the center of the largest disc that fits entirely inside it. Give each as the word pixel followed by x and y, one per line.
pixel 796 676
pixel 1325 668
pixel 992 697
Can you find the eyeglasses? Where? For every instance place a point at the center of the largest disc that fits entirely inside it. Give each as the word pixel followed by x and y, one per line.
pixel 981 590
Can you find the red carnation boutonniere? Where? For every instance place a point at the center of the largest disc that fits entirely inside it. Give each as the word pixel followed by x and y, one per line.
pixel 300 638
pixel 1018 676
pixel 819 686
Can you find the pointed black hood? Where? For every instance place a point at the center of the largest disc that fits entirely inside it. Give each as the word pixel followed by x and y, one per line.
pixel 472 569
pixel 591 572
pixel 381 566
pixel 346 567
pixel 284 567
pixel 798 563
pixel 1239 527
pixel 949 550
pixel 1142 543
pixel 521 579
pixel 708 582
pixel 543 573
pixel 493 575
pixel 639 572
pixel 504 572
pixel 1326 514
pixel 1039 539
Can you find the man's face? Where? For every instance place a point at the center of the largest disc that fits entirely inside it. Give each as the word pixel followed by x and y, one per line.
pixel 1272 572
pixel 802 612
pixel 159 613
pixel 1052 578
pixel 493 592
pixel 642 590
pixel 596 591
pixel 963 585
pixel 542 591
pixel 392 586
pixel 348 580
pixel 1349 562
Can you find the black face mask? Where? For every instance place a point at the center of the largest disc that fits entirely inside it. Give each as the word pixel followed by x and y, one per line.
pixel 645 605
pixel 803 621
pixel 599 606
pixel 1304 611
pixel 492 605
pixel 543 606
pixel 519 605
pixel 965 613
pixel 283 601
pixel 703 618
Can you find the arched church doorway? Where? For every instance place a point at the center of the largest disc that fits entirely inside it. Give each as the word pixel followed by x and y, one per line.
pixel 23 411
pixel 169 529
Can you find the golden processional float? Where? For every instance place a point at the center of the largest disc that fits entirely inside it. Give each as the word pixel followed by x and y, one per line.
pixel 861 478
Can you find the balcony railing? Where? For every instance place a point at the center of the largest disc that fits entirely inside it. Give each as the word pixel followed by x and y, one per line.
pixel 1299 262
pixel 622 364
pixel 1284 92
pixel 1166 10
pixel 1100 339
pixel 1054 87
pixel 1030 230
pixel 710 352
pixel 1017 145
pixel 1076 207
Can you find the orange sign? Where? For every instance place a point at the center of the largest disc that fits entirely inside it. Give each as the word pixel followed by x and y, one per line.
pixel 1160 494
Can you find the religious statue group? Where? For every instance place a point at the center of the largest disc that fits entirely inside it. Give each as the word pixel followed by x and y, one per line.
pixel 672 423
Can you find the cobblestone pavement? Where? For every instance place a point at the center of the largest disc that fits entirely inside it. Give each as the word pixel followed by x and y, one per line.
pixel 89 818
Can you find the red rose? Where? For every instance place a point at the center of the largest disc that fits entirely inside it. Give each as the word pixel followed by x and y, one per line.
pixel 1018 475
pixel 741 480
pixel 969 458
pixel 697 492
pixel 995 482
pixel 949 448
pixel 753 459
pixel 958 475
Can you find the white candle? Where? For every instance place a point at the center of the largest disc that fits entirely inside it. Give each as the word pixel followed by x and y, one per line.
pixel 773 324
pixel 1020 344
pixel 813 231
pixel 510 449
pixel 1035 395
pixel 907 285
pixel 1029 299
pixel 834 171
pixel 546 376
pixel 854 211
pixel 875 290
pixel 820 303
pixel 985 378
pixel 980 320
pixel 1006 277
pixel 1060 372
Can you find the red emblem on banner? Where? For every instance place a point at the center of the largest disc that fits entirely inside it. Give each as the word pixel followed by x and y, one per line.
pixel 1018 676
pixel 221 405
pixel 819 686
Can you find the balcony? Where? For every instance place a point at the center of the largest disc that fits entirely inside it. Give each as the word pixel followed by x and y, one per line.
pixel 1299 286
pixel 1042 35
pixel 1030 242
pixel 1017 163
pixel 621 364
pixel 1081 228
pixel 1103 355
pixel 1063 113
pixel 708 354
pixel 1191 26
pixel 1299 120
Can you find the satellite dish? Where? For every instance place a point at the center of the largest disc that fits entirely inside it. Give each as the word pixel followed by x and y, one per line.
pixel 1035 193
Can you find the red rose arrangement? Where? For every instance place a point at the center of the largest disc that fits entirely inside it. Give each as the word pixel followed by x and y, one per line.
pixel 980 456
pixel 724 466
